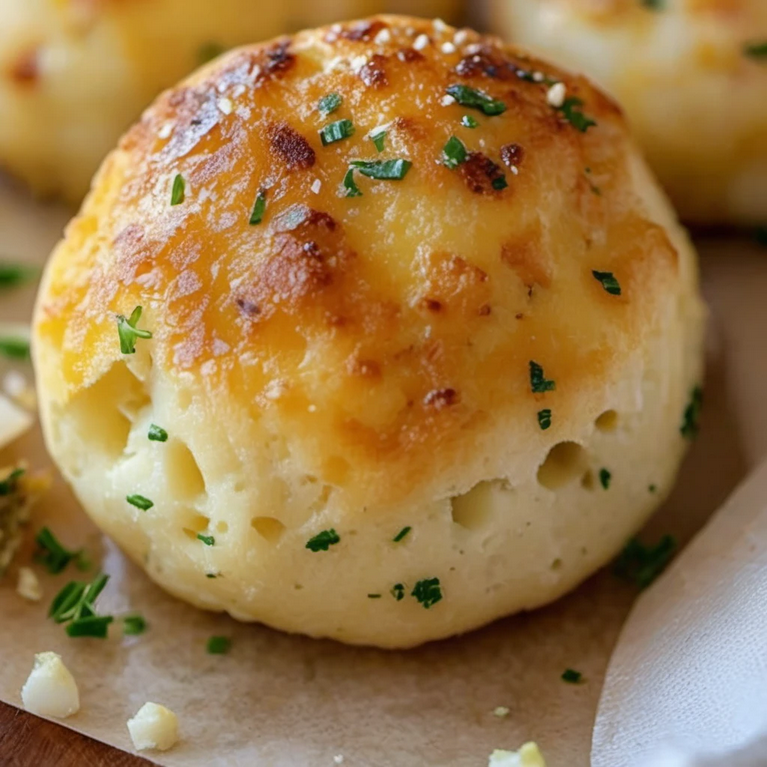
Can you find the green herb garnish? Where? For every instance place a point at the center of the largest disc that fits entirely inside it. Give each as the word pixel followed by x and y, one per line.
pixel 133 625
pixel 384 170
pixel 330 103
pixel 54 556
pixel 209 51
pixel 259 208
pixel 379 138
pixel 75 605
pixel 469 122
pixel 8 485
pixel 352 190
pixel 140 502
pixel 500 183
pixel 571 111
pixel 128 332
pixel 336 131
pixel 157 434
pixel 14 348
pixel 605 478
pixel 12 275
pixel 219 645
pixel 653 488
pixel 179 190
pixel 538 382
pixel 609 283
pixel 691 418
pixel 208 540
pixel 374 596
pixel 427 592
pixel 454 153
pixel 323 541
pixel 571 676
pixel 470 97
pixel 398 591
pixel 544 419
pixel 640 564
pixel 401 534
pixel 212 575
pixel 756 50
pixel 95 626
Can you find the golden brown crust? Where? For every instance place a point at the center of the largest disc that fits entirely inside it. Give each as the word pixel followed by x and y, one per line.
pixel 418 305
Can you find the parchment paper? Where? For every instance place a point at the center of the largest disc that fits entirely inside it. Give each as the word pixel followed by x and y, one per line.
pixel 282 700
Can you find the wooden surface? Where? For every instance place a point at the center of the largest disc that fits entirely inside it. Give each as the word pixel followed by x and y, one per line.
pixel 28 741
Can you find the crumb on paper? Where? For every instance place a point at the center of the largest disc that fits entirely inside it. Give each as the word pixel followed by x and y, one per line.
pixel 28 585
pixel 501 711
pixel 338 759
pixel 153 727
pixel 50 690
pixel 527 756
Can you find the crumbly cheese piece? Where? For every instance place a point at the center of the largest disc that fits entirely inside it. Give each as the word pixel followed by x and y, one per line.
pixel 153 727
pixel 28 585
pixel 17 496
pixel 527 756
pixel 51 689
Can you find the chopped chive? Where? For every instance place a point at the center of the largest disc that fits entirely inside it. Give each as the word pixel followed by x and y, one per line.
pixel 427 592
pixel 211 575
pixel 9 484
pixel 352 190
pixel 571 111
pixel 209 51
pixel 157 434
pixel 336 131
pixel 329 104
pixel 605 477
pixel 756 50
pixel 653 488
pixel 471 97
pixel 208 540
pixel 128 332
pixel 571 676
pixel 544 419
pixel 259 208
pixel 374 596
pixel 133 625
pixel 386 170
pixel 96 626
pixel 323 541
pixel 398 591
pixel 14 348
pixel 609 283
pixel 454 153
pixel 379 139
pixel 538 382
pixel 691 418
pixel 401 534
pixel 219 645
pixel 500 183
pixel 64 603
pixel 51 554
pixel 140 502
pixel 469 122
pixel 13 275
pixel 641 565
pixel 179 190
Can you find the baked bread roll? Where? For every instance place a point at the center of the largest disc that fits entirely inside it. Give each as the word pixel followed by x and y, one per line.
pixel 423 332
pixel 74 74
pixel 692 76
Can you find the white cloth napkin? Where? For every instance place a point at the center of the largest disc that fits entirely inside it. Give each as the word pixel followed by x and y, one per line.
pixel 687 682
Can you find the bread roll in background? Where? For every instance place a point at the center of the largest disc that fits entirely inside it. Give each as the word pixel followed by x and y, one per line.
pixel 692 76
pixel 74 74
pixel 396 408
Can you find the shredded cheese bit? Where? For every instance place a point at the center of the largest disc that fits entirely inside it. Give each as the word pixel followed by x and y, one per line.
pixel 383 37
pixel 153 727
pixel 461 37
pixel 28 586
pixel 51 689
pixel 556 95
pixel 316 186
pixel 165 131
pixel 226 106
pixel 421 42
pixel 447 100
pixel 448 48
